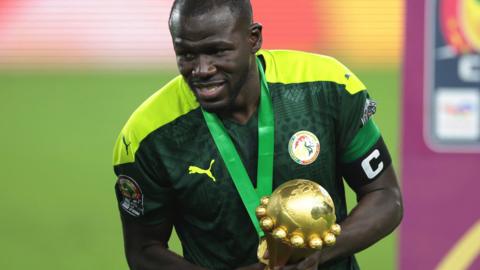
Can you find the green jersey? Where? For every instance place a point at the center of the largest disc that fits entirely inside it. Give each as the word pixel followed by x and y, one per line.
pixel 170 170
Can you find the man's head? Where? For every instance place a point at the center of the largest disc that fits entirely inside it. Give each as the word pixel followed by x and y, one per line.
pixel 241 9
pixel 215 42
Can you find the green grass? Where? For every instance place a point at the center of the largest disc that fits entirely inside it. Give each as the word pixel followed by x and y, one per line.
pixel 58 209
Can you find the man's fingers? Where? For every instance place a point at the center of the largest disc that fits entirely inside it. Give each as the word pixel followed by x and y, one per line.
pixel 257 266
pixel 308 263
pixel 266 255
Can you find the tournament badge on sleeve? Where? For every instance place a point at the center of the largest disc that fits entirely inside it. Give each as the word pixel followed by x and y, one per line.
pixel 132 197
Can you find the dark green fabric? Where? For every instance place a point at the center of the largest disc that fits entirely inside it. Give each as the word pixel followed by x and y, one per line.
pixel 209 216
pixel 363 141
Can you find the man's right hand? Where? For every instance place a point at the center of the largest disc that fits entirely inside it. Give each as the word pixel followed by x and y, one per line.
pixel 255 266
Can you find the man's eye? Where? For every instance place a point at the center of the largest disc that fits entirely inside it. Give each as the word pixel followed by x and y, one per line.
pixel 189 56
pixel 222 51
pixel 186 56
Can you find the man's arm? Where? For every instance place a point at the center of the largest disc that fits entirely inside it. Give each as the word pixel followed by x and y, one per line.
pixel 146 247
pixel 378 212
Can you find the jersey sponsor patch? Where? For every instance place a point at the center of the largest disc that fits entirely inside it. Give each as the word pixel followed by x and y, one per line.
pixel 369 110
pixel 132 197
pixel 304 147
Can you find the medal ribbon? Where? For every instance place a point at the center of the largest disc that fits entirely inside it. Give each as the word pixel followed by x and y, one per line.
pixel 250 197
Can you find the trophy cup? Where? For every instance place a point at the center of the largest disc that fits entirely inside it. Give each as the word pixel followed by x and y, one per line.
pixel 298 219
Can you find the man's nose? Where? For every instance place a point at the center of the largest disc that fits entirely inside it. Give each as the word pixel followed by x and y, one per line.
pixel 204 67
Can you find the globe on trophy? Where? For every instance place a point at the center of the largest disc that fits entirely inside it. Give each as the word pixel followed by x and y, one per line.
pixel 298 219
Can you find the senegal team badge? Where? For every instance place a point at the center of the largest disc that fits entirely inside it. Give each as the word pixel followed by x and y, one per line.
pixel 304 147
pixel 132 197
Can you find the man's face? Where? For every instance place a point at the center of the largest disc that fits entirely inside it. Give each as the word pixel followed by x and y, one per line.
pixel 214 55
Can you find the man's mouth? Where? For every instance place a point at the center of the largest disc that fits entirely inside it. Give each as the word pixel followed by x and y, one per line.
pixel 209 90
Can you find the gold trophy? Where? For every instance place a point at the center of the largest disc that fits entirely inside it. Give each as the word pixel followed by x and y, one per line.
pixel 298 219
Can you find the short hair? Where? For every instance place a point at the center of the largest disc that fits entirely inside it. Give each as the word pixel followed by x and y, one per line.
pixel 242 9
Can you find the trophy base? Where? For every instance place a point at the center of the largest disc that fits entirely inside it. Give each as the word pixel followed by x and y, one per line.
pixel 262 249
pixel 281 253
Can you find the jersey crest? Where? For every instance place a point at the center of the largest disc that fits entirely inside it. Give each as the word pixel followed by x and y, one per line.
pixel 304 147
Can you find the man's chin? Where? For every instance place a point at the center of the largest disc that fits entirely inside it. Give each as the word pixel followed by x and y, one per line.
pixel 213 107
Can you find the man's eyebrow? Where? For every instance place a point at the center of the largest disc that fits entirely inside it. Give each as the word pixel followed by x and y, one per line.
pixel 214 43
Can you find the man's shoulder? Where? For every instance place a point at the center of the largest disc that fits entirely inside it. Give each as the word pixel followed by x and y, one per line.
pixel 167 104
pixel 289 66
pixel 299 57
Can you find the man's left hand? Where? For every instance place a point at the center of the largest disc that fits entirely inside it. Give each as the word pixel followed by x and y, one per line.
pixel 309 263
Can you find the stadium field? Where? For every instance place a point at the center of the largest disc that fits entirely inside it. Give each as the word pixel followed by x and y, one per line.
pixel 58 209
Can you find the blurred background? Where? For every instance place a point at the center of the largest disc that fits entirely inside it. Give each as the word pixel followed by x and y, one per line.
pixel 71 73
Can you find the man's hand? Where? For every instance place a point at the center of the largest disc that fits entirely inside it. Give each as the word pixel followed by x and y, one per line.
pixel 378 213
pixel 255 266
pixel 309 263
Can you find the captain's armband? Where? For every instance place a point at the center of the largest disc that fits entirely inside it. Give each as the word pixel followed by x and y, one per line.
pixel 366 158
pixel 368 167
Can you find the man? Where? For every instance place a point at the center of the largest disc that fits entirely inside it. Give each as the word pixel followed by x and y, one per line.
pixel 194 153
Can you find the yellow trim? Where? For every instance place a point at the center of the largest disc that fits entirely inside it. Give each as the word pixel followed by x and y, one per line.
pixel 285 66
pixel 176 99
pixel 167 104
pixel 465 251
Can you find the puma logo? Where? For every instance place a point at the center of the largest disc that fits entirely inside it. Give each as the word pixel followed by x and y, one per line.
pixel 208 172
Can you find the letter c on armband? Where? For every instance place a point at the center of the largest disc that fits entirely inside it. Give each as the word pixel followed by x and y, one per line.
pixel 368 167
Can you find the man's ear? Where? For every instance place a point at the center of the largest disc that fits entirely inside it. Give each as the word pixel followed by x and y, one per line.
pixel 256 38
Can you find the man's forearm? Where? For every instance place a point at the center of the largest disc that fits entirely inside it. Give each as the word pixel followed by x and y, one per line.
pixel 157 257
pixel 377 214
